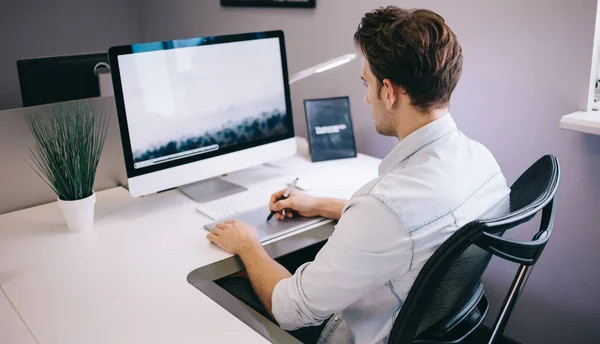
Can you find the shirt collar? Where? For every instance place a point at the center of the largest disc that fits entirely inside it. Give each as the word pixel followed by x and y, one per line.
pixel 417 140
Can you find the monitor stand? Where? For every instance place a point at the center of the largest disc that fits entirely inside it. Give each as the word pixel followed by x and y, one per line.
pixel 211 189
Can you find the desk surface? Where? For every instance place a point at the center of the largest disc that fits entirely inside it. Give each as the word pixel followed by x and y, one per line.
pixel 12 328
pixel 125 281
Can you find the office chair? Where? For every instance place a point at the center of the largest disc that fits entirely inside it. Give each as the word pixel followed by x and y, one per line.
pixel 447 301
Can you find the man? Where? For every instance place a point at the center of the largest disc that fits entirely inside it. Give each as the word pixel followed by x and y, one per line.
pixel 432 183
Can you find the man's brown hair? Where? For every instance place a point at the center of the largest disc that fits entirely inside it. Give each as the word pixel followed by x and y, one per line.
pixel 414 49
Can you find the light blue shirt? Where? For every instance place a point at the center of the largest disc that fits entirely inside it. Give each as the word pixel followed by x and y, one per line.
pixel 432 183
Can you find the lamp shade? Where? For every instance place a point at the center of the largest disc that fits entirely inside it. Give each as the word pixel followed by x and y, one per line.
pixel 322 67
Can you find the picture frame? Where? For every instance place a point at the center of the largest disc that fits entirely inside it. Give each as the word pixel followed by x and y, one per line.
pixel 269 3
pixel 329 128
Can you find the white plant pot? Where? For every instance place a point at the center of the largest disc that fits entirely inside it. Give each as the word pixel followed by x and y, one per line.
pixel 79 214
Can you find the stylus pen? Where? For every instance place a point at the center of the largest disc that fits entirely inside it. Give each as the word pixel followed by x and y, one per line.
pixel 285 196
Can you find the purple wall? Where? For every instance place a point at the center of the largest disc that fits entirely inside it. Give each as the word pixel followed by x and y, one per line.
pixel 526 64
pixel 36 28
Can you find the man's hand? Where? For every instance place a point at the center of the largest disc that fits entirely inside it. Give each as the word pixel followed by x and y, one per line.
pixel 240 239
pixel 234 237
pixel 297 203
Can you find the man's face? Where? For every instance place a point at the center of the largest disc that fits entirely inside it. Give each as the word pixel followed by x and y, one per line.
pixel 384 119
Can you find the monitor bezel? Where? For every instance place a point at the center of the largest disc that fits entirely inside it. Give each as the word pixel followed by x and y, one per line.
pixel 115 52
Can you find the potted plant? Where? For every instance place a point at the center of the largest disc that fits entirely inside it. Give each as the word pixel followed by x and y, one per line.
pixel 68 146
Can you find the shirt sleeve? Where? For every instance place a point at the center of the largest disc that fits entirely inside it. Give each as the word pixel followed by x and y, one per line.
pixel 368 247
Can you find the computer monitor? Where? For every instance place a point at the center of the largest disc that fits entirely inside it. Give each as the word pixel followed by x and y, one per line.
pixel 58 79
pixel 193 109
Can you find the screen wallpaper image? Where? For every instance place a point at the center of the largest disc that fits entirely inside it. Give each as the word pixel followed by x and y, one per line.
pixel 199 99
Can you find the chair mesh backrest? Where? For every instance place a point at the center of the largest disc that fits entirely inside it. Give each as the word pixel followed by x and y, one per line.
pixel 464 274
pixel 531 185
pixel 456 287
pixel 448 279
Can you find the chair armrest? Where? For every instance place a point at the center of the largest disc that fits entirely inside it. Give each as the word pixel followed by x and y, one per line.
pixel 521 252
pixel 525 253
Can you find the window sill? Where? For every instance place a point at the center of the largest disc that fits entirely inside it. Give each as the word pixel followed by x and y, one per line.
pixel 583 121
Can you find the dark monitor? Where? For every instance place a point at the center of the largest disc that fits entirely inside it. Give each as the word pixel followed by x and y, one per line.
pixel 58 79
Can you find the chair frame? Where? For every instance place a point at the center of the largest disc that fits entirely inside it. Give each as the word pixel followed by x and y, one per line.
pixel 487 235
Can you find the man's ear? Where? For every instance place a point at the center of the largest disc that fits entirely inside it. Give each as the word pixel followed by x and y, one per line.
pixel 390 94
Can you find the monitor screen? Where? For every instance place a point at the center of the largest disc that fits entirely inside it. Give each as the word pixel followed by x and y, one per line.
pixel 57 79
pixel 193 99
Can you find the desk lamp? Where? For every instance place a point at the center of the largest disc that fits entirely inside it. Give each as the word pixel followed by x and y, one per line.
pixel 106 82
pixel 322 67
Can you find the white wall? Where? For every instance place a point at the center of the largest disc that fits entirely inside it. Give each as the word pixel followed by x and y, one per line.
pixel 527 63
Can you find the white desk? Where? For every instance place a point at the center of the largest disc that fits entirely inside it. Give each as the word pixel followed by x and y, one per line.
pixel 12 329
pixel 125 282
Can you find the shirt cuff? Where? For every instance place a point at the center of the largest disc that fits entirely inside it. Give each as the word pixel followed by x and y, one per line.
pixel 281 306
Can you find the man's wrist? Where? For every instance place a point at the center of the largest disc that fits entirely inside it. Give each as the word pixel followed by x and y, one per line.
pixel 321 206
pixel 251 248
pixel 325 208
